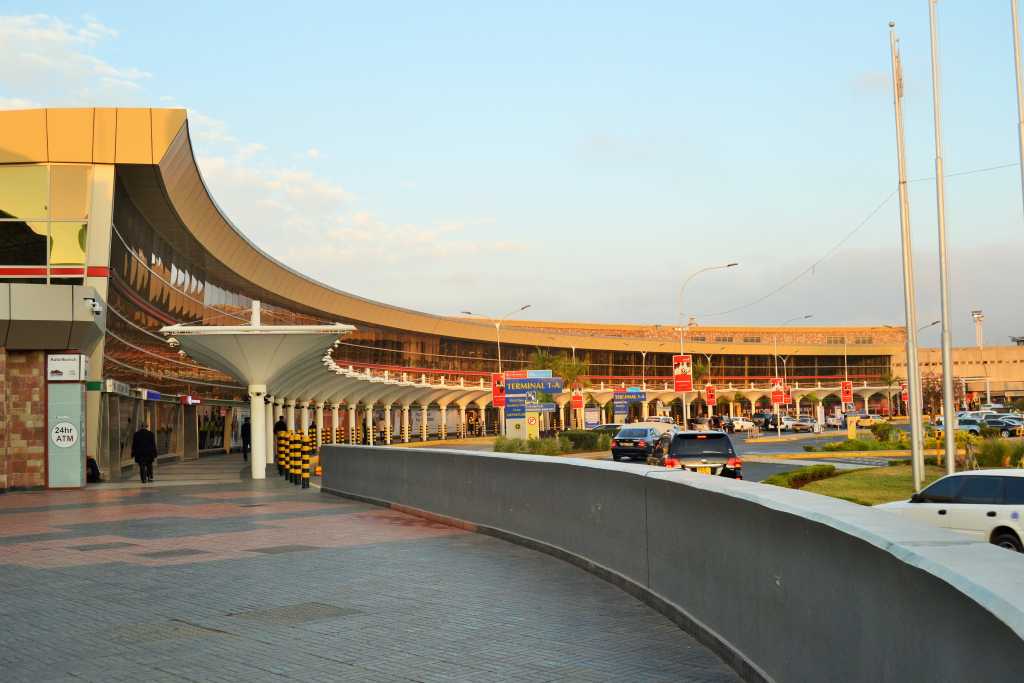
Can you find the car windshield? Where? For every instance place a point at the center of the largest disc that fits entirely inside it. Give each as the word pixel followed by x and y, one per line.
pixel 633 433
pixel 701 444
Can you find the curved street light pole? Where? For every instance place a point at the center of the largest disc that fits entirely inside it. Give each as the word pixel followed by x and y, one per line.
pixel 682 324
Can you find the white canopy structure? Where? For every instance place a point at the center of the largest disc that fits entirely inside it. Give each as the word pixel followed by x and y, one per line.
pixel 261 357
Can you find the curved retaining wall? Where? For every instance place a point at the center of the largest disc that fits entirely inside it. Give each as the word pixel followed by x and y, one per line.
pixel 784 585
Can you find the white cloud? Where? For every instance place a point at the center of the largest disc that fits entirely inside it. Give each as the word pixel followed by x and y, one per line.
pixel 17 103
pixel 51 61
pixel 313 153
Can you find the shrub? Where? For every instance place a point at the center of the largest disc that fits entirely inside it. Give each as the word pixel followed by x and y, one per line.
pixel 810 449
pixel 999 453
pixel 988 432
pixel 801 477
pixel 583 440
pixel 883 431
pixel 504 444
pixel 604 442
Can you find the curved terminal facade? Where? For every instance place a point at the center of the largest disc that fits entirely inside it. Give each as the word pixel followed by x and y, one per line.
pixel 108 234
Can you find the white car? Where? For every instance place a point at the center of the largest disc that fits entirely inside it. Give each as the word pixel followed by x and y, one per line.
pixel 741 424
pixel 984 504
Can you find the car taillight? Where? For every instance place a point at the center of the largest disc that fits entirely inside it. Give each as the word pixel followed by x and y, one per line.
pixel 641 442
pixel 615 444
pixel 735 463
pixel 671 462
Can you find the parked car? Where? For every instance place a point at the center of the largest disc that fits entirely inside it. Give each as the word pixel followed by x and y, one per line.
pixel 702 452
pixel 868 419
pixel 737 424
pixel 610 428
pixel 835 421
pixel 965 424
pixel 1006 427
pixel 984 504
pixel 640 442
pixel 660 418
pixel 803 424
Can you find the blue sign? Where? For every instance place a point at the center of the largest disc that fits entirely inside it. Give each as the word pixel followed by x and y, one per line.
pixel 630 395
pixel 547 385
pixel 534 374
pixel 515 407
pixel 620 407
pixel 540 408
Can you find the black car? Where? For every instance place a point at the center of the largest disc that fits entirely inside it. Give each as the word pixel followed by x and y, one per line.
pixel 703 452
pixel 640 443
pixel 1005 427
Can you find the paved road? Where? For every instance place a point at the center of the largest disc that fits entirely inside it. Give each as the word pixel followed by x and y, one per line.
pixel 260 581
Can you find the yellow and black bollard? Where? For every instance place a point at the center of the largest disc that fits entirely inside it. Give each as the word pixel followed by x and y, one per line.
pixel 293 457
pixel 297 459
pixel 282 444
pixel 306 451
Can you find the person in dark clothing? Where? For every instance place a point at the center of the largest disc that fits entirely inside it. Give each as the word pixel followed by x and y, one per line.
pixel 246 439
pixel 92 471
pixel 144 452
pixel 280 425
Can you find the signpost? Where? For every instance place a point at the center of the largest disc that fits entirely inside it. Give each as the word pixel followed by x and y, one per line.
pixel 847 393
pixel 787 397
pixel 498 389
pixel 682 372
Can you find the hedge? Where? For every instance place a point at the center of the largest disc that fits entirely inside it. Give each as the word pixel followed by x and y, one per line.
pixel 799 478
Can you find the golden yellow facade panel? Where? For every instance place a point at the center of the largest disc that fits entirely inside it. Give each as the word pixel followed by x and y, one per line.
pixel 69 135
pixel 134 142
pixel 166 125
pixel 22 136
pixel 104 135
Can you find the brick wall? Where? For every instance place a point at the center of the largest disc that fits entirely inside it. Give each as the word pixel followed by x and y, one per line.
pixel 22 419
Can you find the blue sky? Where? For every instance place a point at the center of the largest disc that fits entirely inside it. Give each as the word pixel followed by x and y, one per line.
pixel 581 157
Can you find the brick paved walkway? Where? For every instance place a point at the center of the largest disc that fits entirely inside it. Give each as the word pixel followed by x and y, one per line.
pixel 258 581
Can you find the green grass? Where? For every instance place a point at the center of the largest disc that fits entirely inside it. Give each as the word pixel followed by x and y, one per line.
pixel 874 485
pixel 799 478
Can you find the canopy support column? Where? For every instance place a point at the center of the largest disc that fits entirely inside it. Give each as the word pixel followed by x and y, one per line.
pixel 258 430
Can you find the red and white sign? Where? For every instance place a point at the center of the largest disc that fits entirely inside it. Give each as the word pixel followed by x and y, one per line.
pixel 498 389
pixel 189 400
pixel 682 372
pixel 709 394
pixel 778 392
pixel 577 398
pixel 904 394
pixel 847 392
pixel 516 374
pixel 787 397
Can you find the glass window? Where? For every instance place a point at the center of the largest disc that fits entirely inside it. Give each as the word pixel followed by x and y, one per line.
pixel 69 192
pixel 701 444
pixel 22 243
pixel 981 490
pixel 632 433
pixel 67 244
pixel 943 490
pixel 1013 490
pixel 23 192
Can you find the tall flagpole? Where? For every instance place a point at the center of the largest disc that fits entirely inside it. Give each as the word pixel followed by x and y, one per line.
pixel 949 421
pixel 913 371
pixel 1020 89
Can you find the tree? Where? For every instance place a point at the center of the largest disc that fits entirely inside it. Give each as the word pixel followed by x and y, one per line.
pixel 701 371
pixel 542 359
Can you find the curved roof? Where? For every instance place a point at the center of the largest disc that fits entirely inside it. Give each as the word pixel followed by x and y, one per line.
pixel 155 147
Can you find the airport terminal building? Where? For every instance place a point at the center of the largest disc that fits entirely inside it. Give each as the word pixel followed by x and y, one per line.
pixel 108 234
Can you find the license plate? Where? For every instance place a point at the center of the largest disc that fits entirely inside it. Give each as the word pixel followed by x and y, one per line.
pixel 625 443
pixel 703 470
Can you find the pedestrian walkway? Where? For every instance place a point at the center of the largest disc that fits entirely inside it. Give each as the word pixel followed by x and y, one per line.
pixel 260 581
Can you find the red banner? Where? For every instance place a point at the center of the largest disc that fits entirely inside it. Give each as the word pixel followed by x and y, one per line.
pixel 576 402
pixel 778 392
pixel 682 372
pixel 498 389
pixel 904 394
pixel 709 394
pixel 847 392
pixel 516 374
pixel 787 397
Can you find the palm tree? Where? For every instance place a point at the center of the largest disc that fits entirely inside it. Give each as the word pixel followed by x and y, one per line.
pixel 701 370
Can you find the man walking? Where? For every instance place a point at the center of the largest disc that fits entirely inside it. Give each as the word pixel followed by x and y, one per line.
pixel 246 439
pixel 144 452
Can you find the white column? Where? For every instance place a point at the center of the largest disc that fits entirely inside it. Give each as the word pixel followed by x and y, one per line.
pixel 350 410
pixel 258 430
pixel 501 421
pixel 462 421
pixel 290 404
pixel 732 407
pixel 319 423
pixel 369 424
pixel 387 424
pixel 645 410
pixel 483 420
pixel 423 423
pixel 335 413
pixel 305 417
pixel 405 423
pixel 443 426
pixel 271 442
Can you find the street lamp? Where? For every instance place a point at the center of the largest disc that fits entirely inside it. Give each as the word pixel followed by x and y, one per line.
pixel 497 325
pixel 682 290
pixel 979 341
pixel 775 345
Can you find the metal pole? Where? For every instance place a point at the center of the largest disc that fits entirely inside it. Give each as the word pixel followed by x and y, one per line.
pixel 497 334
pixel 1020 89
pixel 913 371
pixel 948 406
pixel 778 414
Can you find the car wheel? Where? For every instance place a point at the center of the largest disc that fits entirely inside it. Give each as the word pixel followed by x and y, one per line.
pixel 616 458
pixel 1005 433
pixel 1008 540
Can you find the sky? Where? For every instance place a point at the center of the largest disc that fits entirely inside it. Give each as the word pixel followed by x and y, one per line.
pixel 583 158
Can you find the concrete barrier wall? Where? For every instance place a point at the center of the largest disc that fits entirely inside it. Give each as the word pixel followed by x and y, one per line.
pixel 784 585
